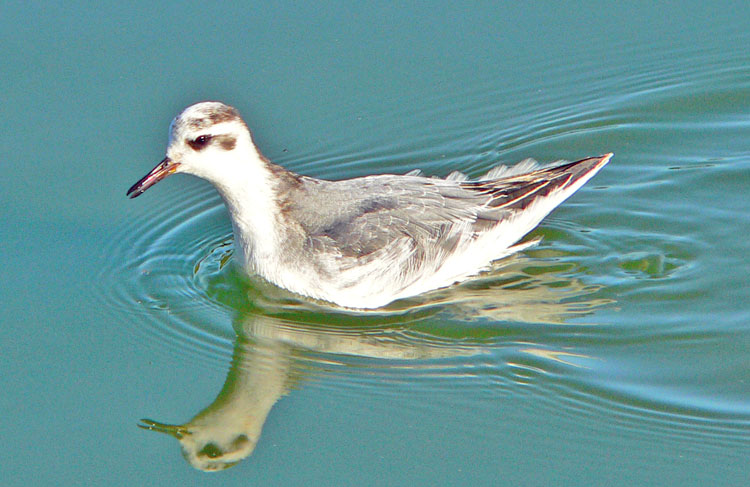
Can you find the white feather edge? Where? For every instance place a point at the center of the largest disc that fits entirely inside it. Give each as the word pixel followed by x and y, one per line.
pixel 502 171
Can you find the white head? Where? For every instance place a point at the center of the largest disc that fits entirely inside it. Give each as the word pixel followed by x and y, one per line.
pixel 210 444
pixel 209 140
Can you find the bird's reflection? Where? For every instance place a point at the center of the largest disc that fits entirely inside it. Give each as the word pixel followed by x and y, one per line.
pixel 261 372
pixel 271 339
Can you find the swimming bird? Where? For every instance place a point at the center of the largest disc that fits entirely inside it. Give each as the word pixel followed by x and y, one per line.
pixel 363 242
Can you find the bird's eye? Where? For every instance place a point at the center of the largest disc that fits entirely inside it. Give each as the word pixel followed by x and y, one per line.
pixel 199 142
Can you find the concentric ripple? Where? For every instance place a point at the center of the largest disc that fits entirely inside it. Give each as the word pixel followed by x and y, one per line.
pixel 524 324
pixel 175 282
pixel 575 325
pixel 153 263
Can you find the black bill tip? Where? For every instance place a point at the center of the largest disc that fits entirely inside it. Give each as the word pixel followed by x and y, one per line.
pixel 161 171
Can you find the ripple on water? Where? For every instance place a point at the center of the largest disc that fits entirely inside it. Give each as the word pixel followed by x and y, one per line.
pixel 547 326
pixel 151 269
pixel 520 330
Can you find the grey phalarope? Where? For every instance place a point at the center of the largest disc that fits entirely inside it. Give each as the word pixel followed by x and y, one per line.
pixel 362 242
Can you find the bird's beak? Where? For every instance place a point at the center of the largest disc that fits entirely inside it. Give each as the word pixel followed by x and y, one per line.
pixel 161 171
pixel 174 430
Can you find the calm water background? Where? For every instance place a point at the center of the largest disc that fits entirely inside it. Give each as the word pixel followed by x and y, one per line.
pixel 616 352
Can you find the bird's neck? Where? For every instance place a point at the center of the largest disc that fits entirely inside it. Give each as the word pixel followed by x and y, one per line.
pixel 251 200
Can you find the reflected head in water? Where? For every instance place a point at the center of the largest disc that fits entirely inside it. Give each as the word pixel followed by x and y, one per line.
pixel 202 447
pixel 228 429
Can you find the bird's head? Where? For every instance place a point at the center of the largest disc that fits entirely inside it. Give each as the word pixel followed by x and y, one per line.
pixel 206 140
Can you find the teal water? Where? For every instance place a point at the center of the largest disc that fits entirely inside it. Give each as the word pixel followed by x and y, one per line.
pixel 616 352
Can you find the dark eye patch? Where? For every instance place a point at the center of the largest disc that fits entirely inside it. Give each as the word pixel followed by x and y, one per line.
pixel 227 142
pixel 200 142
pixel 240 442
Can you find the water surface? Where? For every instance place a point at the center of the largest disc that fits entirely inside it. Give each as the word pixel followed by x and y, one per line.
pixel 615 352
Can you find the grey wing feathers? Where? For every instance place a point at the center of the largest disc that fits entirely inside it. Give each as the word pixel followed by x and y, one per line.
pixel 362 218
